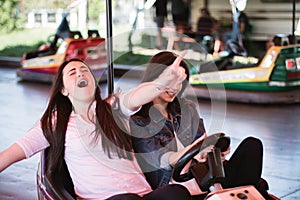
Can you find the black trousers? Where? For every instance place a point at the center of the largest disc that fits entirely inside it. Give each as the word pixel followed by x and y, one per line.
pixel 167 192
pixel 243 168
pixel 245 165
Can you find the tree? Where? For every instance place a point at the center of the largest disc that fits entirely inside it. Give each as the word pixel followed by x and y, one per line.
pixel 95 7
pixel 10 18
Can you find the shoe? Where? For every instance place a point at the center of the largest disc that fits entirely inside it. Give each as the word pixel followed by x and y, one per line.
pixel 262 185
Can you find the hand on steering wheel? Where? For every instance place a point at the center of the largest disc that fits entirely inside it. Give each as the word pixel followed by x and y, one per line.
pixel 219 140
pixel 203 154
pixel 236 48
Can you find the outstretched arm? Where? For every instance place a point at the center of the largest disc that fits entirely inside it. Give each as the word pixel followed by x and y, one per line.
pixel 12 154
pixel 146 92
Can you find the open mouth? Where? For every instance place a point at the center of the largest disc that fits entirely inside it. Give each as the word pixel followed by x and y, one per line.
pixel 82 83
pixel 171 93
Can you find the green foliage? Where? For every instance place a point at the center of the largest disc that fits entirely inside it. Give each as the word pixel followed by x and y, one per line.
pixel 18 50
pixel 17 43
pixel 10 18
pixel 130 58
pixel 20 41
pixel 95 7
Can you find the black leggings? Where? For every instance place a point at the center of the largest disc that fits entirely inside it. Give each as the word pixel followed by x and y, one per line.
pixel 167 192
pixel 243 168
pixel 245 165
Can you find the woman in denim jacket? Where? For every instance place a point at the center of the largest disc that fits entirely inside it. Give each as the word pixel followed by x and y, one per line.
pixel 182 118
pixel 169 123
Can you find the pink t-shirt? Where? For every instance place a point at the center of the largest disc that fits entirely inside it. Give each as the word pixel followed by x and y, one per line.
pixel 95 176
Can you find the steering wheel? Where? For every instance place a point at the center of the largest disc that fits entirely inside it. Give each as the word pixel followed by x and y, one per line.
pixel 55 40
pixel 50 38
pixel 219 140
pixel 236 48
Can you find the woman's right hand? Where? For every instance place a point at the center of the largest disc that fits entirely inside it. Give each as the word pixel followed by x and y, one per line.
pixel 11 155
pixel 202 156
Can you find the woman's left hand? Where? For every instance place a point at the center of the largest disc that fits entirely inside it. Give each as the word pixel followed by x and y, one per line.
pixel 173 75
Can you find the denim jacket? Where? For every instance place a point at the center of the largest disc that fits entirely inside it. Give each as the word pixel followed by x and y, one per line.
pixel 153 136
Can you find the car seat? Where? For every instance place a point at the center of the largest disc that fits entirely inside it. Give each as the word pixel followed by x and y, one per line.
pixel 57 186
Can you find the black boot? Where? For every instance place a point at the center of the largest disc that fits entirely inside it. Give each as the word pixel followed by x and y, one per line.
pixel 262 186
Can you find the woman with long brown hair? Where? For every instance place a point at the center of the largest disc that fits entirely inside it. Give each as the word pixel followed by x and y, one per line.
pixel 166 126
pixel 90 134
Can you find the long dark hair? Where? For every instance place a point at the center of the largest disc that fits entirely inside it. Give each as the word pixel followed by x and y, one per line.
pixel 55 119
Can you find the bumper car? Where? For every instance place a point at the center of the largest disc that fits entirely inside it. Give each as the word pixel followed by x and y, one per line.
pixel 53 187
pixel 41 65
pixel 274 79
pixel 208 175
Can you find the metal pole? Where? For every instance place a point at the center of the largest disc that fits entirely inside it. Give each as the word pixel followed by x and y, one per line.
pixel 294 18
pixel 109 60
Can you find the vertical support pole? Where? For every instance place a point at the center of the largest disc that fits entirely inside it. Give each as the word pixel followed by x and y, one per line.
pixel 294 18
pixel 109 60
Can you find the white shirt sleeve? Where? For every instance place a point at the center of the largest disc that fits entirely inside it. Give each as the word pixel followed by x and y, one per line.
pixel 33 141
pixel 124 109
